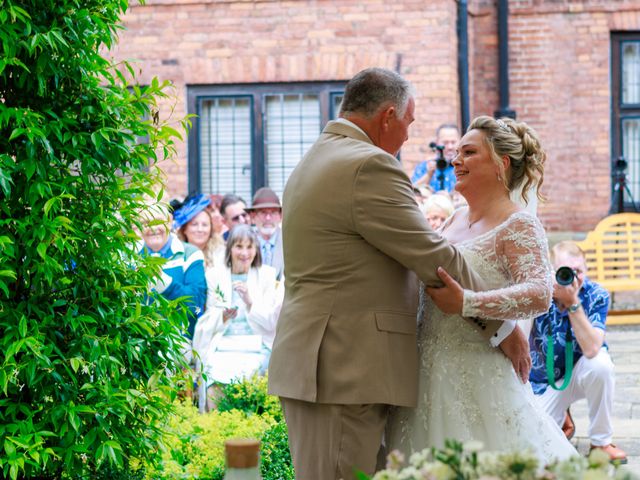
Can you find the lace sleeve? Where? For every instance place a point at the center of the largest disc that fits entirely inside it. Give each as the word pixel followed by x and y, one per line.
pixel 521 249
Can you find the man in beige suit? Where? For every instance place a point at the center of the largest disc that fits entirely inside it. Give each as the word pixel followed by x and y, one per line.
pixel 345 347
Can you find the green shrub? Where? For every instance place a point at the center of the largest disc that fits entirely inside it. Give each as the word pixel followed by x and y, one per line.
pixel 275 457
pixel 85 375
pixel 250 396
pixel 194 446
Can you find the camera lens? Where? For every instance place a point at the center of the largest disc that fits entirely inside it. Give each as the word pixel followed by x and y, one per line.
pixel 441 164
pixel 565 276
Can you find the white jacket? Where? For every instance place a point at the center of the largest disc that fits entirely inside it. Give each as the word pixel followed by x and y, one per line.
pixel 261 284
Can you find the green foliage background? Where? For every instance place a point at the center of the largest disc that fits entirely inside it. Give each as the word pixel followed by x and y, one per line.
pixel 194 443
pixel 85 362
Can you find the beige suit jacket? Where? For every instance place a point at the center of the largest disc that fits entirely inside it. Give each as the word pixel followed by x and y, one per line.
pixel 353 236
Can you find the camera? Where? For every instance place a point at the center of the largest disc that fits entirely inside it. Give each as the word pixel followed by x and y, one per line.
pixel 441 162
pixel 565 276
pixel 620 165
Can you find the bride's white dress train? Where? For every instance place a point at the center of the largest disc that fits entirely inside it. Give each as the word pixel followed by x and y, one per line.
pixel 468 389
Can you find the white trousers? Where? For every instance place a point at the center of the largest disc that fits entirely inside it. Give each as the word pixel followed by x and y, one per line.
pixel 593 379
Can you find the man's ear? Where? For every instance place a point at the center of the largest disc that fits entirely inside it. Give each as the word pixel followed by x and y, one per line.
pixel 386 116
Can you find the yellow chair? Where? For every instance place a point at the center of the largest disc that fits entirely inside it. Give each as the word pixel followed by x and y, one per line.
pixel 612 250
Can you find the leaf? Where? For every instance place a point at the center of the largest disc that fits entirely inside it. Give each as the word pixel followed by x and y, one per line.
pixel 22 326
pixel 75 364
pixel 42 250
pixel 8 274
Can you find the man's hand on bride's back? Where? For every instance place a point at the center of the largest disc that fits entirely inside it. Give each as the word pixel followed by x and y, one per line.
pixel 449 298
pixel 516 348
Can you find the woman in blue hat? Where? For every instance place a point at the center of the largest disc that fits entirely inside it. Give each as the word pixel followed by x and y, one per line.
pixel 192 222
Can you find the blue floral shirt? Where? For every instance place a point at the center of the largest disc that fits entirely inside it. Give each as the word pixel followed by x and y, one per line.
pixel 449 177
pixel 595 302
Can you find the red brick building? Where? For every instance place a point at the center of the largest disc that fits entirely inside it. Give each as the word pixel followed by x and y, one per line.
pixel 264 76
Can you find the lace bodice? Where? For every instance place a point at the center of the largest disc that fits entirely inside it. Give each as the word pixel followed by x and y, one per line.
pixel 467 389
pixel 514 252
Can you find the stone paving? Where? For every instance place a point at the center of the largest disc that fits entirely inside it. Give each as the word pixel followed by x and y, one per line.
pixel 624 346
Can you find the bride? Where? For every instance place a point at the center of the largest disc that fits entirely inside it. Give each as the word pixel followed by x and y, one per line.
pixel 468 390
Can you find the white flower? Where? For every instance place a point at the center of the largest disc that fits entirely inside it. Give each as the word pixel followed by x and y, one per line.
pixel 395 460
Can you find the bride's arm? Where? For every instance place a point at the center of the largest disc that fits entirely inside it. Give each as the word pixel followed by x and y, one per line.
pixel 522 249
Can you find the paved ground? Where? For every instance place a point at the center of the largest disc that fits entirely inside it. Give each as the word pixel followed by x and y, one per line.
pixel 624 346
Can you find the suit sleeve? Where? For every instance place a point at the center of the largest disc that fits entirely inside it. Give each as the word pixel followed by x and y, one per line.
pixel 385 213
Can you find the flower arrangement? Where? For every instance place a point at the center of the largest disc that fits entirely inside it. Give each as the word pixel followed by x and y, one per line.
pixel 459 461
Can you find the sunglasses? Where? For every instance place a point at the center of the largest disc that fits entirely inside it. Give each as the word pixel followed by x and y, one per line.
pixel 239 216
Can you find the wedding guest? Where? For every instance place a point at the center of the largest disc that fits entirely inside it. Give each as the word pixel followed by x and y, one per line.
pixel 217 221
pixel 578 314
pixel 183 273
pixel 235 336
pixel 437 208
pixel 266 214
pixel 193 224
pixel 428 173
pixel 233 211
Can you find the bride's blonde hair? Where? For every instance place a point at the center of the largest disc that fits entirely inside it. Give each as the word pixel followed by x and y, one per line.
pixel 520 143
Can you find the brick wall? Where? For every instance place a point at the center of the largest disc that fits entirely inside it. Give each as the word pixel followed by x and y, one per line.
pixel 559 59
pixel 560 84
pixel 216 42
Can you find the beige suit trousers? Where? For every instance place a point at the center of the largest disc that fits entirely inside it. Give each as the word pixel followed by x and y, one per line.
pixel 331 441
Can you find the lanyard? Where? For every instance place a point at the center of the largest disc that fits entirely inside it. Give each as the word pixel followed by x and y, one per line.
pixel 568 357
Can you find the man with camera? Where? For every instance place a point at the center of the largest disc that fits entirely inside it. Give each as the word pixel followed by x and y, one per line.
pixel 437 173
pixel 575 327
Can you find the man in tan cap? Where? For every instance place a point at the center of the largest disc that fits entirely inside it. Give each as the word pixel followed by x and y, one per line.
pixel 345 347
pixel 266 215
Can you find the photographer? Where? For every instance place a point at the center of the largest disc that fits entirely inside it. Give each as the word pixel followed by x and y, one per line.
pixel 577 315
pixel 439 175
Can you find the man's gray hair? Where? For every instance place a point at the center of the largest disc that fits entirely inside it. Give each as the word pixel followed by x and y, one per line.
pixel 373 88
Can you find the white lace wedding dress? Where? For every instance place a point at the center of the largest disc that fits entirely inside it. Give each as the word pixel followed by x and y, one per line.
pixel 468 389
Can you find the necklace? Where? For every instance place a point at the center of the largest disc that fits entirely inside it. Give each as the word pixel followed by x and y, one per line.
pixel 471 224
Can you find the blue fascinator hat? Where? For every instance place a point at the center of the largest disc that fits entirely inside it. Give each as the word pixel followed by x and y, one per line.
pixel 189 209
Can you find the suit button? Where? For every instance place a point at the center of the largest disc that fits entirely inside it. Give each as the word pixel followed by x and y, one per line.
pixel 484 327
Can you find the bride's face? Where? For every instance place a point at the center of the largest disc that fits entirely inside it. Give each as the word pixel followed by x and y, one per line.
pixel 474 166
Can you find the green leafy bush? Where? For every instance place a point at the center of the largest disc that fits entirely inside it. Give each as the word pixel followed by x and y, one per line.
pixel 250 396
pixel 275 457
pixel 85 377
pixel 194 446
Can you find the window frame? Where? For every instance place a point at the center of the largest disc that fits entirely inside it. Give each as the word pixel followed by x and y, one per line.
pixel 257 92
pixel 620 111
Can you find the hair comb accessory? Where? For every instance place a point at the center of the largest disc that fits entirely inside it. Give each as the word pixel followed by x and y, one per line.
pixel 503 126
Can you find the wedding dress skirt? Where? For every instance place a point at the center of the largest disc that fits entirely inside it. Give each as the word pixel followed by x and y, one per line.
pixel 468 390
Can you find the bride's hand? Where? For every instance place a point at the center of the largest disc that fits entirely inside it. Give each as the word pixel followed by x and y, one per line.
pixel 449 298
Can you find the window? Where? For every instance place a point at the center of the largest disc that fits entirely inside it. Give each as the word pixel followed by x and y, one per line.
pixel 248 136
pixel 626 112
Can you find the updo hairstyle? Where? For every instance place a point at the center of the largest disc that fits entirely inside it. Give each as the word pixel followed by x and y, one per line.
pixel 520 143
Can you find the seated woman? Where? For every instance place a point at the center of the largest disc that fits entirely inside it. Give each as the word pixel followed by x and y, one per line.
pixel 194 224
pixel 234 337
